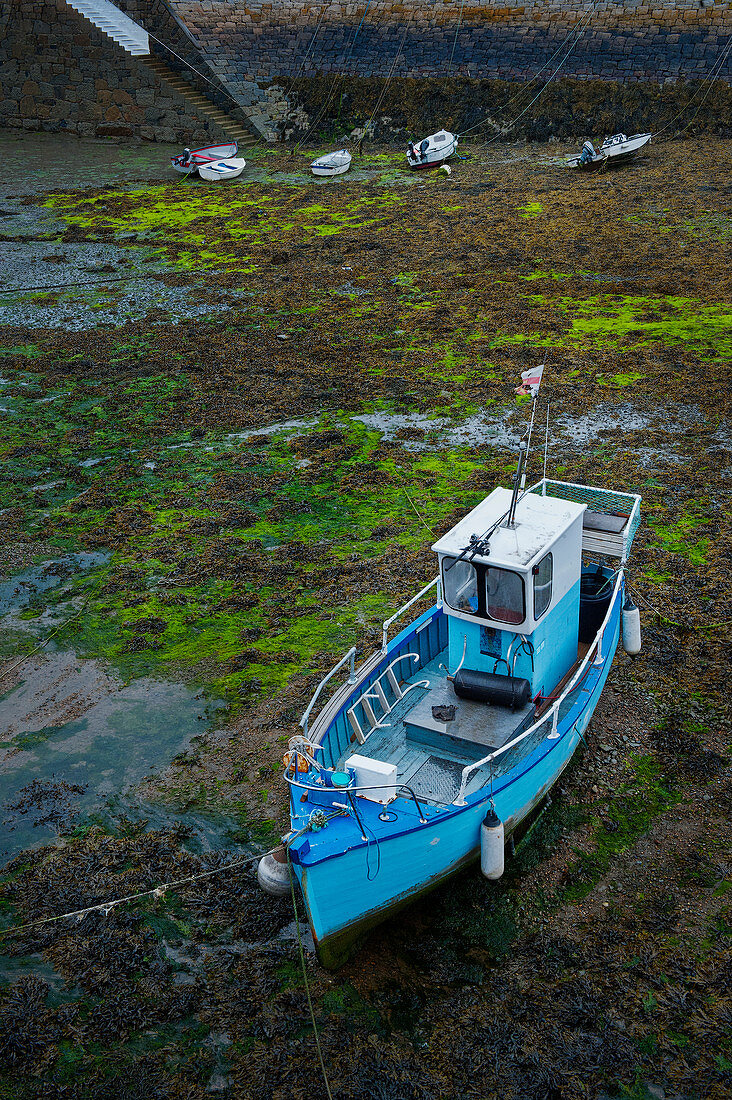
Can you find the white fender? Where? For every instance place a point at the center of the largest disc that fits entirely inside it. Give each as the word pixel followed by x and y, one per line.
pixel 492 842
pixel 631 628
pixel 273 874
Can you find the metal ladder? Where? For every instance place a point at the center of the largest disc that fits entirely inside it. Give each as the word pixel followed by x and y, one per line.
pixel 377 695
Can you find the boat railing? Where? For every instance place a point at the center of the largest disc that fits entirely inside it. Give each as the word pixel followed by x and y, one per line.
pixel 435 582
pixel 593 656
pixel 350 791
pixel 348 658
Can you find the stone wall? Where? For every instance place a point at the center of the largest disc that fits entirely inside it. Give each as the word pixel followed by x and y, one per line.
pixel 59 73
pixel 639 40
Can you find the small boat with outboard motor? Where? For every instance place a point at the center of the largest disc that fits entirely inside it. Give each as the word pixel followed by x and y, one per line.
pixel 450 735
pixel 190 160
pixel 332 164
pixel 432 151
pixel 614 150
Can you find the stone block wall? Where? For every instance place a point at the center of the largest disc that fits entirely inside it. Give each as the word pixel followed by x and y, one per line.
pixel 638 40
pixel 60 73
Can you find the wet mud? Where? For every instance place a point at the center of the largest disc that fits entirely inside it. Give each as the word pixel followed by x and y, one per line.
pixel 259 485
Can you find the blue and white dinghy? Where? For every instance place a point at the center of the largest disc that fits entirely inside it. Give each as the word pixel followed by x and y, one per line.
pixel 445 739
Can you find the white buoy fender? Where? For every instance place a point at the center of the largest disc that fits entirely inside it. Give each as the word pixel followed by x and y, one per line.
pixel 273 874
pixel 631 628
pixel 492 843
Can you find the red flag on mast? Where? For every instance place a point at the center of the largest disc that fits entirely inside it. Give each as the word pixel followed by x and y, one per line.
pixel 530 381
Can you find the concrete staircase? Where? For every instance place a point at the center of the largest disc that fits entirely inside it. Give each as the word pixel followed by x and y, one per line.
pixel 199 104
pixel 134 39
pixel 128 34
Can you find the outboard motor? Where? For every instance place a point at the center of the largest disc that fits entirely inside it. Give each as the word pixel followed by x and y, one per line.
pixel 588 153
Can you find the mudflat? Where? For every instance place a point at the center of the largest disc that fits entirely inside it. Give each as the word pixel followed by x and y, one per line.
pixel 235 418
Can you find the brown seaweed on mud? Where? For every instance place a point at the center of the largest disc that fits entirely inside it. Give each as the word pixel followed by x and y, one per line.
pixel 602 962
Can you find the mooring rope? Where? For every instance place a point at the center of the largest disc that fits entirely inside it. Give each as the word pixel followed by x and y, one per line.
pixel 457 32
pixel 578 30
pixel 40 645
pixel 156 891
pixel 713 74
pixel 305 976
pixel 338 76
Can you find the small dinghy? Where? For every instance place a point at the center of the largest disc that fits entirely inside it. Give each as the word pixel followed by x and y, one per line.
pixel 433 151
pixel 190 160
pixel 447 738
pixel 332 164
pixel 614 150
pixel 222 169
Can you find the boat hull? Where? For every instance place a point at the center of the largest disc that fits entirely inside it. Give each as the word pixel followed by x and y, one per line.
pixel 435 156
pixel 351 890
pixel 222 169
pixel 333 164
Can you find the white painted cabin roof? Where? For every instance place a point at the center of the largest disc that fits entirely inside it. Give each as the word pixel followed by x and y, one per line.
pixel 539 522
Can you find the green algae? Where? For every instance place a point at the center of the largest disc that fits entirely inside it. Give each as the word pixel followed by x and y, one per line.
pixel 185 226
pixel 531 210
pixel 625 323
pixel 631 812
pixel 159 619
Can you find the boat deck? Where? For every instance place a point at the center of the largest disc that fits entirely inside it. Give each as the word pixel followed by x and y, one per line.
pixel 430 754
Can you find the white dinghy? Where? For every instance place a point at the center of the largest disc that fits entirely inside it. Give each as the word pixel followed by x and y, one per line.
pixel 332 164
pixel 222 169
pixel 614 150
pixel 190 160
pixel 432 151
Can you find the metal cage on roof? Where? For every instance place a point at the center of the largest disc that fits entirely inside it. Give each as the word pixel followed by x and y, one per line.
pixel 611 519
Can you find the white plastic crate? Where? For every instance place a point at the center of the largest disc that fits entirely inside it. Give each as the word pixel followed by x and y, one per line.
pixel 376 774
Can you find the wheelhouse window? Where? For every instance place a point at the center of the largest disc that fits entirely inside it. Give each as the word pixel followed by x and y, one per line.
pixel 460 585
pixel 504 595
pixel 543 573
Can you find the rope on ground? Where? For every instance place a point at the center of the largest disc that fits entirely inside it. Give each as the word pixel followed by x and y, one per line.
pixel 419 516
pixel 305 976
pixel 696 627
pixel 36 649
pixel 155 891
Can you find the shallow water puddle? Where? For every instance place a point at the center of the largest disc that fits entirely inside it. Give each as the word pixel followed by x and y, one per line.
pixel 72 734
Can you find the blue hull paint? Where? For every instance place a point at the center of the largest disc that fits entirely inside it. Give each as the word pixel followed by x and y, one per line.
pixel 350 884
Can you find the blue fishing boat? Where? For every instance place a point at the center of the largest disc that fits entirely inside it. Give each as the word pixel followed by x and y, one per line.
pixel 442 742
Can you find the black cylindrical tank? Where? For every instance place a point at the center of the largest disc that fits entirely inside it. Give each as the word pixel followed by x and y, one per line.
pixel 596 590
pixel 488 687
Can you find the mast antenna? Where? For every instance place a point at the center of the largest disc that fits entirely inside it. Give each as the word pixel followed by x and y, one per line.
pixel 546 449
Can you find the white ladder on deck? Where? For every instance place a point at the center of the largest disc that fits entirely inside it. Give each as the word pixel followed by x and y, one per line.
pixel 377 694
pixel 126 33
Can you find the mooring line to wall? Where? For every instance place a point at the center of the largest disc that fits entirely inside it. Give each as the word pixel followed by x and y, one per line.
pixel 155 891
pixel 713 74
pixel 578 29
